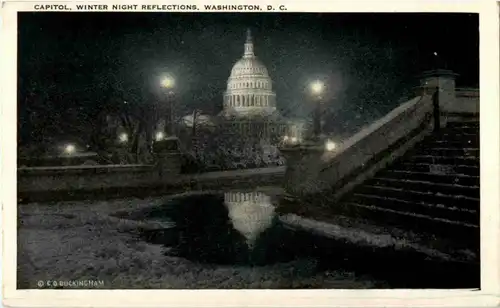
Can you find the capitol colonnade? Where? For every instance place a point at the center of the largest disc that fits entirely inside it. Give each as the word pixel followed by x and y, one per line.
pixel 249 100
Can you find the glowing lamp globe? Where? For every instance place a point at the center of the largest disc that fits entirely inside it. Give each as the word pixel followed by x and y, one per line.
pixel 317 87
pixel 330 145
pixel 69 149
pixel 123 137
pixel 167 82
pixel 159 136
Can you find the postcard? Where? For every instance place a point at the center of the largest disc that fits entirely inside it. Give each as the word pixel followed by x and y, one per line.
pixel 254 154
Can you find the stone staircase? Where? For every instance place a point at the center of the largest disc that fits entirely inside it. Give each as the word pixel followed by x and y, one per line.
pixel 433 188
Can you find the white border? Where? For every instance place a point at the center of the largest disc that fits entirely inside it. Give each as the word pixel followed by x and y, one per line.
pixel 490 196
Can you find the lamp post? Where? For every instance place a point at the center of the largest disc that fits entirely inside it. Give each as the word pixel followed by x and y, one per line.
pixel 167 84
pixel 317 89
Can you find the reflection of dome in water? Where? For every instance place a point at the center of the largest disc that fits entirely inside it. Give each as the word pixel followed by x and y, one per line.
pixel 251 213
pixel 249 87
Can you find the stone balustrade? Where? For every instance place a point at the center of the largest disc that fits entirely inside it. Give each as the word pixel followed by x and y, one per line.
pixel 312 169
pixel 69 178
pixel 120 181
pixel 466 102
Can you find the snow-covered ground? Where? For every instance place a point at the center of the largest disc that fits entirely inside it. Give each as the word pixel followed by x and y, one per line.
pixel 368 234
pixel 365 232
pixel 79 240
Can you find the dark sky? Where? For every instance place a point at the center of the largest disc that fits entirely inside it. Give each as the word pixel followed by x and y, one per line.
pixel 70 62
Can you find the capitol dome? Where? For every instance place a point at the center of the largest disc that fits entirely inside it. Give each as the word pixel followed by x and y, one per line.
pixel 249 87
pixel 249 67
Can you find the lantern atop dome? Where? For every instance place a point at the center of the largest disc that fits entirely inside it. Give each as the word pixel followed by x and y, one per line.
pixel 249 35
pixel 249 46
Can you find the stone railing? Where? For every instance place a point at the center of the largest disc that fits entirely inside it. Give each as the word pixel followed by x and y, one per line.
pixel 120 181
pixel 467 92
pixel 84 177
pixel 381 142
pixel 466 102
pixel 98 177
pixel 313 170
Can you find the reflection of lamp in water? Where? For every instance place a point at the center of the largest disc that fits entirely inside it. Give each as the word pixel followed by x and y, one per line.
pixel 251 213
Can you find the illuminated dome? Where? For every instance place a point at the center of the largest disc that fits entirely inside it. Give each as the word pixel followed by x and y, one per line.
pixel 249 67
pixel 249 87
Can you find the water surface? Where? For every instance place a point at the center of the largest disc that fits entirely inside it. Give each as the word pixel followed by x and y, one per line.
pixel 241 228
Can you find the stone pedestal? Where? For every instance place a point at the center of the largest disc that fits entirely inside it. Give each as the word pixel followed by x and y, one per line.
pixel 169 158
pixel 304 164
pixel 440 84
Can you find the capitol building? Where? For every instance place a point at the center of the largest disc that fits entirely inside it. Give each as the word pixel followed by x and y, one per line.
pixel 249 102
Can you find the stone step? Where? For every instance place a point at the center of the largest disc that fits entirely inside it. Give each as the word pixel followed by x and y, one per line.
pixel 463 124
pixel 448 151
pixel 419 167
pixel 435 186
pixel 452 179
pixel 420 217
pixel 452 137
pixel 460 131
pixel 466 233
pixel 451 202
pixel 442 160
pixel 453 144
pixel 436 211
pixel 447 189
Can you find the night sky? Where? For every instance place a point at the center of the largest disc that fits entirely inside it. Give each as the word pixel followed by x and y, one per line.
pixel 72 64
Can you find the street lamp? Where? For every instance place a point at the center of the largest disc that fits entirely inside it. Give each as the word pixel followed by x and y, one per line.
pixel 160 136
pixel 123 137
pixel 167 83
pixel 330 145
pixel 69 149
pixel 290 139
pixel 317 89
